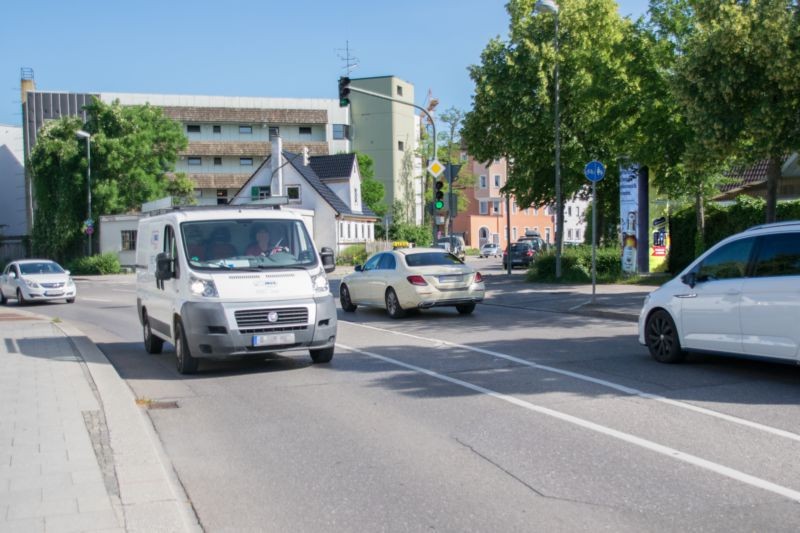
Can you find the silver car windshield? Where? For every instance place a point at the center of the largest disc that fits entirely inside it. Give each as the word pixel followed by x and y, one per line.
pixel 248 244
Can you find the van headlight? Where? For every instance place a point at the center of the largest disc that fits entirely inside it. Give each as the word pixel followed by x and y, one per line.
pixel 320 282
pixel 203 287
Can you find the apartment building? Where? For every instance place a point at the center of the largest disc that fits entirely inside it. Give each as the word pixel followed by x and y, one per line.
pixel 486 219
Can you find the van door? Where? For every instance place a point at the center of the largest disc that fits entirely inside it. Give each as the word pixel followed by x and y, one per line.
pixel 770 306
pixel 166 292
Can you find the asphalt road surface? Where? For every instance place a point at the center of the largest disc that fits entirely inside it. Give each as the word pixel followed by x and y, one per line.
pixel 504 420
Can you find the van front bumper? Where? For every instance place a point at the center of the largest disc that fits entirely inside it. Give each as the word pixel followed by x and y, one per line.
pixel 219 330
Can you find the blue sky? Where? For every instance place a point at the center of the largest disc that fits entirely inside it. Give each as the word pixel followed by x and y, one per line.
pixel 245 47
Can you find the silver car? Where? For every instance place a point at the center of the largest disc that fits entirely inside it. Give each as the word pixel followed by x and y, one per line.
pixel 31 280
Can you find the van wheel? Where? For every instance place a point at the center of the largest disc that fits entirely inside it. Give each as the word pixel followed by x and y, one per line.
pixel 185 363
pixel 465 309
pixel 152 344
pixel 344 299
pixel 322 356
pixel 393 305
pixel 662 340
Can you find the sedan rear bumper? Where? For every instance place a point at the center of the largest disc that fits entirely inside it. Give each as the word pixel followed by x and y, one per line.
pixel 449 302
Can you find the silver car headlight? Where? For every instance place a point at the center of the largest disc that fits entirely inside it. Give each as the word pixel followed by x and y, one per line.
pixel 203 287
pixel 30 283
pixel 320 283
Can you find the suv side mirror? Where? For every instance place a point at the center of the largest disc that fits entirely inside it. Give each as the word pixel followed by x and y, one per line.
pixel 690 279
pixel 164 266
pixel 328 262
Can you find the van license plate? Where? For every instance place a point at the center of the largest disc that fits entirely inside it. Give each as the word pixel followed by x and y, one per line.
pixel 273 340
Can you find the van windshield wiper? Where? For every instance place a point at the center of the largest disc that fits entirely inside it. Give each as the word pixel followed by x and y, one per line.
pixel 275 267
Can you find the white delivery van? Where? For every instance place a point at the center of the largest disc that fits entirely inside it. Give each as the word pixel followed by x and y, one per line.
pixel 233 281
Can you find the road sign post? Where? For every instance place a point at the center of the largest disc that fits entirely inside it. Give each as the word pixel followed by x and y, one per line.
pixel 594 172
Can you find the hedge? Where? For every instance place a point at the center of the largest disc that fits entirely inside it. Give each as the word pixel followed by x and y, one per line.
pixel 576 265
pixel 107 263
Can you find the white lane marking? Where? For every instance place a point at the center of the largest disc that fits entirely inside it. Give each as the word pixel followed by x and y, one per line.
pixel 603 383
pixel 723 470
pixel 86 299
pixel 123 290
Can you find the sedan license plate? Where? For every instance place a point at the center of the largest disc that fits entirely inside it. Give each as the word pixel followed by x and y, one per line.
pixel 273 340
pixel 54 293
pixel 449 279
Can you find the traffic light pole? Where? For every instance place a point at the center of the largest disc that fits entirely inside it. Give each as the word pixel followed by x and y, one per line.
pixel 430 118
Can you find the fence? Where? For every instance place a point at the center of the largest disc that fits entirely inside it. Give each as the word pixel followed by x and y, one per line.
pixel 14 247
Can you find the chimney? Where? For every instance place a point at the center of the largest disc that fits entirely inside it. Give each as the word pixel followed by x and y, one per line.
pixel 277 170
pixel 305 156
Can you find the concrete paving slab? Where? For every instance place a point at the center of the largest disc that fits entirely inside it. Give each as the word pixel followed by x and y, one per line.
pixel 81 522
pixel 28 525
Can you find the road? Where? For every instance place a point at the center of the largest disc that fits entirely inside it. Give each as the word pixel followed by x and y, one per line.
pixel 505 420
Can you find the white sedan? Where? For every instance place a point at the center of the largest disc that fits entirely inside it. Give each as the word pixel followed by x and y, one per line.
pixel 31 280
pixel 412 278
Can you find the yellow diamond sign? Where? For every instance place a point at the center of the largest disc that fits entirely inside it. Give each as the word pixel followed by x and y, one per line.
pixel 435 168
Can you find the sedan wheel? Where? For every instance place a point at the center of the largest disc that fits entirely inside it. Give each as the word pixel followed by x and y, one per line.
pixel 344 299
pixel 20 297
pixel 393 305
pixel 662 339
pixel 465 309
pixel 3 299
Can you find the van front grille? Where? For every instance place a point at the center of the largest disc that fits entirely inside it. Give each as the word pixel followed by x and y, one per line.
pixel 259 318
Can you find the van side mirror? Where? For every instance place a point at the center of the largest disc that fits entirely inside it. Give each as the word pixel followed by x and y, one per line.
pixel 690 279
pixel 164 266
pixel 328 262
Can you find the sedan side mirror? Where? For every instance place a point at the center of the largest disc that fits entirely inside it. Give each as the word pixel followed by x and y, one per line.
pixel 690 279
pixel 328 262
pixel 12 275
pixel 164 267
pixel 359 268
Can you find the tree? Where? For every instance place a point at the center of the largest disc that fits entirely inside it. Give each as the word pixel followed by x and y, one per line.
pixel 513 111
pixel 134 150
pixel 372 190
pixel 738 82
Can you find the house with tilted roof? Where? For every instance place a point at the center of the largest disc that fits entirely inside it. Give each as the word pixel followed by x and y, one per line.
pixel 752 180
pixel 327 186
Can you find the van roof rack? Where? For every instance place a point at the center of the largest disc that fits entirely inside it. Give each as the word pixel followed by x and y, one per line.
pixel 775 225
pixel 274 205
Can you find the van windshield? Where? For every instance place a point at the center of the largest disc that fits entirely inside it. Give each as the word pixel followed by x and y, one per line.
pixel 247 244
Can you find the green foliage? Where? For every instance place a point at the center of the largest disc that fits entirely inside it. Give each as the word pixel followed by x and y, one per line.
pixel 472 251
pixel 107 263
pixel 133 151
pixel 403 231
pixel 722 222
pixel 355 254
pixel 372 190
pixel 576 265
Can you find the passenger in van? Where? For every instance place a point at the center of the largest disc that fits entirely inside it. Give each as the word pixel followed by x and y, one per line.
pixel 194 244
pixel 219 245
pixel 263 244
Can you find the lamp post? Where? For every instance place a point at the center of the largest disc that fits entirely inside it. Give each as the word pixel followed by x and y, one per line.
pixel 85 135
pixel 549 6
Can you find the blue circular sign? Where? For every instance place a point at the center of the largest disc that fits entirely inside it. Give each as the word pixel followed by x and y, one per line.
pixel 594 171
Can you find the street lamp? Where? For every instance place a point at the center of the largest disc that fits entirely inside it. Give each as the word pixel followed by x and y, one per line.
pixel 549 6
pixel 85 135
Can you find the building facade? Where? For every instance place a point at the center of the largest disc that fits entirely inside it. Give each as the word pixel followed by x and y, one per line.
pixel 13 221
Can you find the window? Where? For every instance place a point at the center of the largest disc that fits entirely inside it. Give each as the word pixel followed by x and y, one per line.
pixel 483 207
pixel 497 180
pixel 217 161
pixel 578 234
pixel 246 161
pixel 569 210
pixel 483 182
pixel 496 205
pixel 305 130
pixel 727 262
pixel 577 211
pixel 274 132
pixel 217 128
pixel 293 193
pixel 513 207
pixel 399 90
pixel 128 239
pixel 401 146
pixel 193 128
pixel 387 262
pixel 569 234
pixel 194 161
pixel 514 233
pixel 259 193
pixel 779 255
pixel 341 131
pixel 222 196
pixel 245 129
pixel 372 264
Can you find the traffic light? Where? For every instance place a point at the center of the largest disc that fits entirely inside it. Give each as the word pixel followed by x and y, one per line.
pixel 439 195
pixel 344 91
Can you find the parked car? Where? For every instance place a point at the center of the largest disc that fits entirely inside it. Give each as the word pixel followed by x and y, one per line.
pixel 30 280
pixel 535 240
pixel 741 297
pixel 522 254
pixel 412 278
pixel 454 244
pixel 489 249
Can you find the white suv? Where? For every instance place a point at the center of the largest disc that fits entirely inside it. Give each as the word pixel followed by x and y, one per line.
pixel 741 297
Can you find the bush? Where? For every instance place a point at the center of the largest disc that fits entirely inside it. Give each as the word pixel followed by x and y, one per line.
pixel 355 254
pixel 107 263
pixel 472 251
pixel 576 265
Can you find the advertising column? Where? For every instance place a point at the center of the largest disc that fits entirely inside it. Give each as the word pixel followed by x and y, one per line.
pixel 629 213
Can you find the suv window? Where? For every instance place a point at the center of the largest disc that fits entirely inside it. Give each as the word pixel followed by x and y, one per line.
pixel 778 255
pixel 727 262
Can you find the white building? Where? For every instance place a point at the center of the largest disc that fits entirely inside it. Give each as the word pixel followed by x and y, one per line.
pixel 12 180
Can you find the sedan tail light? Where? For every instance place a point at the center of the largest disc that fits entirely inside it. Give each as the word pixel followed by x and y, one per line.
pixel 529 253
pixel 417 280
pixel 478 277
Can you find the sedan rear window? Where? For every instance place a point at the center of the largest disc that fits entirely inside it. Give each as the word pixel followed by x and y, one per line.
pixel 431 258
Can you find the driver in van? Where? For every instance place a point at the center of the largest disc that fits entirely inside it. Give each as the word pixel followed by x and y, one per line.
pixel 262 244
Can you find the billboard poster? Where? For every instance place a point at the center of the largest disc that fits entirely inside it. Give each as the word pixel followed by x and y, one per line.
pixel 629 213
pixel 659 230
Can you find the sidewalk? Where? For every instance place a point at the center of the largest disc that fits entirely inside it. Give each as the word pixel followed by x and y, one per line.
pixel 76 452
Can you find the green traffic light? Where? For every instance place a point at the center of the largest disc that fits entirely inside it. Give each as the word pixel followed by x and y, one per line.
pixel 439 204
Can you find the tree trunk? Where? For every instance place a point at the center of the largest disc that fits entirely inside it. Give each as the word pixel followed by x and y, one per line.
pixel 699 211
pixel 773 177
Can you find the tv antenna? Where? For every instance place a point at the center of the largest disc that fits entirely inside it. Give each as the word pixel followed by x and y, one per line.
pixel 350 62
